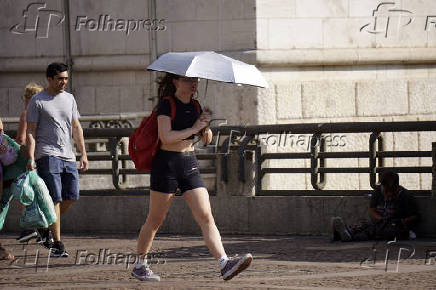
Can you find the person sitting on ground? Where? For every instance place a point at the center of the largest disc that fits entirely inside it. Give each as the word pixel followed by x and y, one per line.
pixel 393 214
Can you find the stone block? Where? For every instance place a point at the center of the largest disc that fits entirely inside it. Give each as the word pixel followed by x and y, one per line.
pixel 179 216
pixel 148 103
pixel 232 217
pixel 108 100
pixel 10 42
pixel 93 9
pixel 204 34
pixel 328 99
pixel 106 78
pixel 272 217
pixel 132 99
pixel 342 181
pixel 225 101
pixel 431 34
pixel 266 106
pixel 401 35
pixel 85 98
pixel 262 35
pixel 143 78
pixel 238 34
pixel 139 43
pixel 249 105
pixel 16 105
pixel 420 8
pixel 53 45
pixel 422 96
pixel 322 8
pixel 98 42
pixel 344 33
pixel 407 141
pixel 311 219
pixel 289 101
pixel 12 13
pixel 382 98
pixel 4 101
pixel 243 9
pixel 425 144
pixel 275 9
pixel 358 8
pixel 21 79
pixel 295 33
pixel 191 10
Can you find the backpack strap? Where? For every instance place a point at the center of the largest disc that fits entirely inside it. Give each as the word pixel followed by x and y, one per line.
pixel 173 107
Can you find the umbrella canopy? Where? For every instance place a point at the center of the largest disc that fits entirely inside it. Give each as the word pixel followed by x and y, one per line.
pixel 209 65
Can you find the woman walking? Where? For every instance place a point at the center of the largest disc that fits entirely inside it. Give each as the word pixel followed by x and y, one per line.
pixel 176 166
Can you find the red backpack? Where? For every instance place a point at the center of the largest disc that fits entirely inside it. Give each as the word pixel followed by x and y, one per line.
pixel 144 143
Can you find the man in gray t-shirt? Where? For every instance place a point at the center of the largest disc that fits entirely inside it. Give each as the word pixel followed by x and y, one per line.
pixel 52 124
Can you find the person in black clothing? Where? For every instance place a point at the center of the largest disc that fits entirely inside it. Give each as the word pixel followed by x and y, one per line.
pixel 175 166
pixel 392 210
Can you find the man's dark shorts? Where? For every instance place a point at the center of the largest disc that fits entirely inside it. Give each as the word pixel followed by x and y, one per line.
pixel 60 176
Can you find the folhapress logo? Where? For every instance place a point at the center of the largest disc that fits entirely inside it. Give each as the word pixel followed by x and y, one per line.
pixel 37 19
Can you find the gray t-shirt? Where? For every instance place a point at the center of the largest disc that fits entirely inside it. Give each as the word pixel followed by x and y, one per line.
pixel 54 116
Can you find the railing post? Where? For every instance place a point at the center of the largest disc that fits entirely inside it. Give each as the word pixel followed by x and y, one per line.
pixel 119 184
pixel 433 169
pixel 375 136
pixel 317 145
pixel 258 163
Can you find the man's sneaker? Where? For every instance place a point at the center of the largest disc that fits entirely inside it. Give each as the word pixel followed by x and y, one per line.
pixel 27 235
pixel 235 266
pixel 45 238
pixel 58 250
pixel 144 273
pixel 341 229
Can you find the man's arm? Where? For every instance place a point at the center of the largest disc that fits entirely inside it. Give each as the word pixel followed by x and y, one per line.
pixel 30 144
pixel 80 141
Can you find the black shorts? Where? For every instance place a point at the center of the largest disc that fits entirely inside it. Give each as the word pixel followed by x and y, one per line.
pixel 171 170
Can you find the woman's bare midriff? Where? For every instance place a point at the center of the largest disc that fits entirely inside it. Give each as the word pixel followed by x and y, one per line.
pixel 182 146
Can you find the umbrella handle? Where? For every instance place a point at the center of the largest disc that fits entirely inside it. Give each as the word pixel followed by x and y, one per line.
pixel 205 90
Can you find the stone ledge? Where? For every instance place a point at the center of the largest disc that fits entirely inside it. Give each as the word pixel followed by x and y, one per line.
pixel 80 63
pixel 358 56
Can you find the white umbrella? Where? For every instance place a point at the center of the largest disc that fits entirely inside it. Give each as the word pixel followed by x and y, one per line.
pixel 209 65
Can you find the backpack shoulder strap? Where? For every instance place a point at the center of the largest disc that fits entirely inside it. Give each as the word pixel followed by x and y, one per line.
pixel 173 107
pixel 197 105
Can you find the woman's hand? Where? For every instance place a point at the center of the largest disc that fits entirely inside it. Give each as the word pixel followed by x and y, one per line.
pixel 202 122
